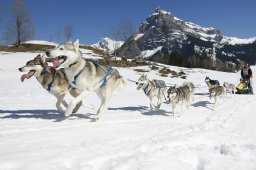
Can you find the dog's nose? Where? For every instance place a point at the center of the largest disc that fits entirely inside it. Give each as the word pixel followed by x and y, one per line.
pixel 20 69
pixel 137 83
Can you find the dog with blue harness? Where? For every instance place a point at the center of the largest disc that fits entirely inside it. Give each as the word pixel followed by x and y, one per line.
pixel 86 76
pixel 54 81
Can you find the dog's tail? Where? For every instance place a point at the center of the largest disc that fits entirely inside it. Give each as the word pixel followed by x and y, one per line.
pixel 121 84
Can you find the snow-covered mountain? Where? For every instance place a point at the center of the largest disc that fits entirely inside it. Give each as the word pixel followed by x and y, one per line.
pixel 163 34
pixel 129 136
pixel 108 45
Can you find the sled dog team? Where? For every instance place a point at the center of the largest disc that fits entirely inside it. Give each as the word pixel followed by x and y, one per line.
pixel 80 77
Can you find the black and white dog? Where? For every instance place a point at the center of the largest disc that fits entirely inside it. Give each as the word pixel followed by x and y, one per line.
pixel 211 83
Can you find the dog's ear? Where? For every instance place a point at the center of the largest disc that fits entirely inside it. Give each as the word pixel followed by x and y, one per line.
pixel 76 44
pixel 38 56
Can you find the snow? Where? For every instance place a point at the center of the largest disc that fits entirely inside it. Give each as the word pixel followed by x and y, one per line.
pixel 202 32
pixel 108 45
pixel 148 53
pixel 234 40
pixel 138 36
pixel 33 135
pixel 41 42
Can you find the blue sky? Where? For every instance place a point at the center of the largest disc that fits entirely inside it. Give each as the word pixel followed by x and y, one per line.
pixel 92 20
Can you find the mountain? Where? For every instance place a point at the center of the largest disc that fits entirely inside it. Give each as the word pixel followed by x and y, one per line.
pixel 108 45
pixel 162 37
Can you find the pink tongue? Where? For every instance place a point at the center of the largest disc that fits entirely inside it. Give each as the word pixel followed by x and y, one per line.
pixel 26 76
pixel 56 63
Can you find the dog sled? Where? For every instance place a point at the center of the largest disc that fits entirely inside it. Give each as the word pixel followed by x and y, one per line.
pixel 243 87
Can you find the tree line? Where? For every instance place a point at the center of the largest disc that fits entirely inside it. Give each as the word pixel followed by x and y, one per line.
pixel 194 61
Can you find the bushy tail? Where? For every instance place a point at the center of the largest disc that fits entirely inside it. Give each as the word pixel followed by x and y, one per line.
pixel 121 84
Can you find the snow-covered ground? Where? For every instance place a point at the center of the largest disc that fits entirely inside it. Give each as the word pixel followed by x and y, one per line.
pixel 33 135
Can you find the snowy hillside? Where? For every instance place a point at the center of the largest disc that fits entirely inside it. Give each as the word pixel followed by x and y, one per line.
pixel 33 135
pixel 108 45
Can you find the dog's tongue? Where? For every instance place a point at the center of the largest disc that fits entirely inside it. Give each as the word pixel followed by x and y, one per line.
pixel 56 63
pixel 26 76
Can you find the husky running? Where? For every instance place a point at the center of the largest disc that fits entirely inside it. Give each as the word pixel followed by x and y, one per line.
pixel 54 81
pixel 191 88
pixel 211 83
pixel 216 92
pixel 180 95
pixel 154 90
pixel 86 76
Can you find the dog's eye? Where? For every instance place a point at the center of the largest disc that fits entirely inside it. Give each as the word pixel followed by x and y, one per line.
pixel 61 48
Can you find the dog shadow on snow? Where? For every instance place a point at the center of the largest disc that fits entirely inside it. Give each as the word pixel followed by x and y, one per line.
pixel 205 104
pixel 39 114
pixel 143 110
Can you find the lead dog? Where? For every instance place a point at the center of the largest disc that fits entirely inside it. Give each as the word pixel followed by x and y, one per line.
pixel 86 76
pixel 54 81
pixel 154 90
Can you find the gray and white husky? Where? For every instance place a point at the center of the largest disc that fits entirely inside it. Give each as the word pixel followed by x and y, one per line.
pixel 86 76
pixel 230 88
pixel 191 88
pixel 216 92
pixel 54 81
pixel 181 95
pixel 154 90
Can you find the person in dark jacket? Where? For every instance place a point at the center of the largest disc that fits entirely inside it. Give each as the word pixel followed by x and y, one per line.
pixel 246 74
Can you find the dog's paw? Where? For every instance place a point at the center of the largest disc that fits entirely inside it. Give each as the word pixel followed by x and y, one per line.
pixel 94 118
pixel 68 113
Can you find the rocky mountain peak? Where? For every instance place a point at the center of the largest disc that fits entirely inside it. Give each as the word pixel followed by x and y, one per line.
pixel 162 34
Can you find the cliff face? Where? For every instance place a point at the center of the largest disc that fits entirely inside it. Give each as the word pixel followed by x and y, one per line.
pixel 163 34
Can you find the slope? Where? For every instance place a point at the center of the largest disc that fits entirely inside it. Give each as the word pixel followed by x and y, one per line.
pixel 129 136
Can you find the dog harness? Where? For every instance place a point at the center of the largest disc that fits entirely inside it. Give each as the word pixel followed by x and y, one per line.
pixel 107 73
pixel 76 76
pixel 103 80
pixel 50 84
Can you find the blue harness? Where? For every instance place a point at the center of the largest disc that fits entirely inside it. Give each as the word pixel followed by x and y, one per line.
pixel 103 80
pixel 107 73
pixel 76 76
pixel 49 85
